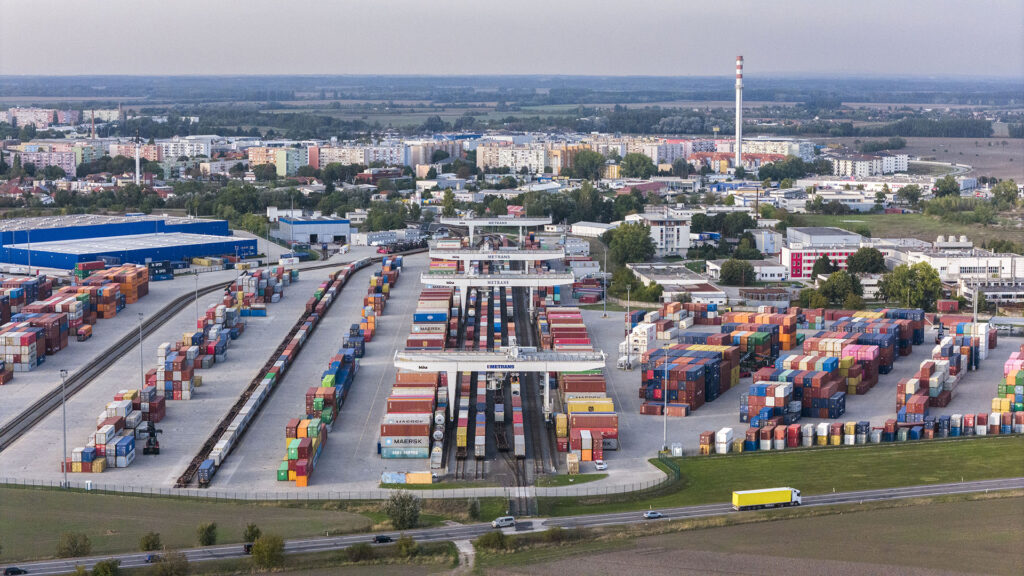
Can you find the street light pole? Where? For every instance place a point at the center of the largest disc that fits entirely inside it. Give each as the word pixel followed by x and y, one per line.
pixel 142 361
pixel 664 407
pixel 196 274
pixel 604 284
pixel 64 421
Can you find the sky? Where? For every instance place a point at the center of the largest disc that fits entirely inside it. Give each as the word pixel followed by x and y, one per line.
pixel 571 37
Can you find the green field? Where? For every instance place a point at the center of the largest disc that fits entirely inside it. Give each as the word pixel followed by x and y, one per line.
pixel 566 480
pixel 963 534
pixel 913 226
pixel 33 519
pixel 709 479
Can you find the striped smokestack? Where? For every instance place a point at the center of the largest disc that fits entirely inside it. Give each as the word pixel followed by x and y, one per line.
pixel 739 111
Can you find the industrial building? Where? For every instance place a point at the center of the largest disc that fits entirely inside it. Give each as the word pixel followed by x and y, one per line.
pixel 312 230
pixel 62 241
pixel 805 245
pixel 135 249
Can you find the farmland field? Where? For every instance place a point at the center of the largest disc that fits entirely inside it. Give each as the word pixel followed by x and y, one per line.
pixel 940 537
pixel 917 226
pixel 988 156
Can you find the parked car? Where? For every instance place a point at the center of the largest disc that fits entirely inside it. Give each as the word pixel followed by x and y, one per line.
pixel 653 515
pixel 600 465
pixel 504 522
pixel 382 539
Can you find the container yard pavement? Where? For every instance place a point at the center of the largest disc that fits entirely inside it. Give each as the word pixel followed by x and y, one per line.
pixel 641 436
pixel 27 387
pixel 36 455
pixel 349 460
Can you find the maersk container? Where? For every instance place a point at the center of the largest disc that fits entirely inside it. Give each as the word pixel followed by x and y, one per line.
pixel 405 452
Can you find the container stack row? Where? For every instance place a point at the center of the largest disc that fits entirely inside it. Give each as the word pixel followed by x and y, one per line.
pixel 121 424
pixel 785 336
pixel 414 418
pixel 685 376
pixel 1010 393
pixel 435 322
pixel 270 376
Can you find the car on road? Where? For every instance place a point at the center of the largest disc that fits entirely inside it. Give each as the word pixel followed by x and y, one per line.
pixel 153 558
pixel 600 465
pixel 653 515
pixel 382 539
pixel 504 522
pixel 247 548
pixel 14 571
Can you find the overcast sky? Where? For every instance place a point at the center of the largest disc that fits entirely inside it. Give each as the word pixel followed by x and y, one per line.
pixel 600 37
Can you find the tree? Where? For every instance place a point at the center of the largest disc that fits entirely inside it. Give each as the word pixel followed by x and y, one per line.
pixel 587 164
pixel 73 544
pixel 206 533
pixel 426 195
pixel 252 533
pixel 403 509
pixel 817 300
pixel 681 168
pixel 839 285
pixel 432 173
pixel 822 266
pixel 880 197
pixel 150 541
pixel 805 297
pixel 817 204
pixel 786 183
pixel 106 568
pixel 740 172
pixel 637 165
pixel 1004 194
pixel 498 206
pixel 494 540
pixel 737 273
pixel 407 547
pixel 473 508
pixel 631 242
pixel 746 250
pixel 53 172
pixel 439 155
pixel 265 172
pixel 448 204
pixel 730 200
pixel 866 261
pixel 947 186
pixel 853 302
pixel 910 194
pixel 912 286
pixel 268 551
pixel 360 552
pixel 173 563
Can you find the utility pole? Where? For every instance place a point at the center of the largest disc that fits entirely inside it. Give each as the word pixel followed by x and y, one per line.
pixel 196 274
pixel 604 284
pixel 64 421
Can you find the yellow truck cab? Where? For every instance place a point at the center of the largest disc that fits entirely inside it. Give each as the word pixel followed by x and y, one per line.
pixel 765 498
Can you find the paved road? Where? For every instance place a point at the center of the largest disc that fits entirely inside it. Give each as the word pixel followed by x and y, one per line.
pixel 471 531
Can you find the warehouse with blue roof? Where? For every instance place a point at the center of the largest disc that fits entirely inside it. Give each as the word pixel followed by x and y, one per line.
pixel 63 241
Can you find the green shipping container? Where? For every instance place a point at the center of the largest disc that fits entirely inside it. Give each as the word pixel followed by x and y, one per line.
pixel 327 416
pixel 318 403
pixel 293 449
pixel 282 471
pixel 328 381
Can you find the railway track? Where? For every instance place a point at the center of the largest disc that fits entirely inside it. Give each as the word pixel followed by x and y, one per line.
pixel 189 475
pixel 36 411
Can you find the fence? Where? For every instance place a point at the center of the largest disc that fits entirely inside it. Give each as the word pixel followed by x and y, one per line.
pixel 367 494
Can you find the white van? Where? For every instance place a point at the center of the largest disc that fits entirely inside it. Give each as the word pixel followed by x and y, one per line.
pixel 504 522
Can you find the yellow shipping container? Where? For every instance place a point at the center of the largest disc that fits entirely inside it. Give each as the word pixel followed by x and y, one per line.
pixel 561 425
pixel 291 475
pixel 821 440
pixel 419 478
pixel 835 440
pixel 99 465
pixel 460 437
pixel 76 466
pixel 590 405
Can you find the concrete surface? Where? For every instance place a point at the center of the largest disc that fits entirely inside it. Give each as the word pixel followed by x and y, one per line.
pixel 188 423
pixel 350 459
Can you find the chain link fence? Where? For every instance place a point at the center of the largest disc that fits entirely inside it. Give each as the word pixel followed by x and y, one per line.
pixel 313 494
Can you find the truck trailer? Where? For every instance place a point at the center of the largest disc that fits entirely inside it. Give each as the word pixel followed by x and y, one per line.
pixel 765 498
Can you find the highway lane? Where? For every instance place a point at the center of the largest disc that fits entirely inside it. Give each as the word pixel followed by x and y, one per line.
pixel 471 531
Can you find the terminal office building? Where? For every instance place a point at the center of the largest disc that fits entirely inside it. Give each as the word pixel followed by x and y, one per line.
pixel 312 230
pixel 64 241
